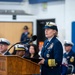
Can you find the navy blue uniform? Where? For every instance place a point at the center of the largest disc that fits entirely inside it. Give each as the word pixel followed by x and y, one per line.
pixel 52 50
pixel 64 69
pixel 70 59
pixel 24 37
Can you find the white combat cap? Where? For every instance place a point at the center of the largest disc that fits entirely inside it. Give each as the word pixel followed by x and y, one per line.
pixel 68 43
pixel 51 25
pixel 4 41
pixel 19 47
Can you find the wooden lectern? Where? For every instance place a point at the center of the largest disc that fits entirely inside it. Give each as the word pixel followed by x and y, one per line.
pixel 15 65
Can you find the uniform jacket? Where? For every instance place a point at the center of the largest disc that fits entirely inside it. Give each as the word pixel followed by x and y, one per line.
pixel 52 50
pixel 24 37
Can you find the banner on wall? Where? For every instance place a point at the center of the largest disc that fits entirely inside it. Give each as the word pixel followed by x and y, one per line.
pixel 73 34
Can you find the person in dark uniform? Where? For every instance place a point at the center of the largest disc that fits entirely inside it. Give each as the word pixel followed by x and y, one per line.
pixel 4 43
pixel 68 58
pixel 24 35
pixel 52 51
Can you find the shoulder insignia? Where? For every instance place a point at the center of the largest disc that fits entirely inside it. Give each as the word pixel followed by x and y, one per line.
pixel 72 59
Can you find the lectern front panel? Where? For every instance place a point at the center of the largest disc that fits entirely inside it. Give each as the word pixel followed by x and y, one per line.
pixel 3 66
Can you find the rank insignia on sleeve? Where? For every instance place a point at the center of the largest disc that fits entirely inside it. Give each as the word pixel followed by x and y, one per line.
pixel 72 59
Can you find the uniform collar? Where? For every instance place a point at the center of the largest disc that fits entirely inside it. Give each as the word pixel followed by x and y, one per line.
pixel 67 52
pixel 49 39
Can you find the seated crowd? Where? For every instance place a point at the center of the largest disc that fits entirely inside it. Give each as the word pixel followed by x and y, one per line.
pixel 33 52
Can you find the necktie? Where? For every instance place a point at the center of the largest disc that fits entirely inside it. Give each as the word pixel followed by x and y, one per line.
pixel 46 44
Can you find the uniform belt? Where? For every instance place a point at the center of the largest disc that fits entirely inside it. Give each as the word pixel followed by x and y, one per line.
pixel 52 67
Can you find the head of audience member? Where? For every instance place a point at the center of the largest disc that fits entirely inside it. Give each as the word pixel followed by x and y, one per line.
pixel 26 31
pixel 51 30
pixel 20 50
pixel 68 46
pixel 4 43
pixel 25 28
pixel 33 50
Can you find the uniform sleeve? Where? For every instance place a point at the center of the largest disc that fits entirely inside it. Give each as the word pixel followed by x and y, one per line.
pixel 58 53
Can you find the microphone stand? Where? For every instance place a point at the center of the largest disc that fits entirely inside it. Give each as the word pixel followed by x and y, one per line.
pixel 19 43
pixel 14 45
pixel 33 38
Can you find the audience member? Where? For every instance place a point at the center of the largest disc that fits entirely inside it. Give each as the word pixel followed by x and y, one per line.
pixel 20 50
pixel 68 59
pixel 24 35
pixel 4 43
pixel 33 51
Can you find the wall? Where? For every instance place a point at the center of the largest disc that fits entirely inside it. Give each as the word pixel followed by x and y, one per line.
pixel 69 17
pixel 62 11
pixel 53 10
pixel 16 6
pixel 40 13
pixel 13 30
pixel 19 18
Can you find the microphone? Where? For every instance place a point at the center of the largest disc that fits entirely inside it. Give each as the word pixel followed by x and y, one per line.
pixel 33 38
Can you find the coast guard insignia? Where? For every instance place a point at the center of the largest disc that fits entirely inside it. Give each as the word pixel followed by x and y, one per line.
pixel 72 59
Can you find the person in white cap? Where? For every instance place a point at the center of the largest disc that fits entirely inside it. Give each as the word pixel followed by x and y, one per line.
pixel 68 58
pixel 52 51
pixel 4 43
pixel 20 50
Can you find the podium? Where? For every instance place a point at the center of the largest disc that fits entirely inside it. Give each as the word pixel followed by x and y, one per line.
pixel 15 65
